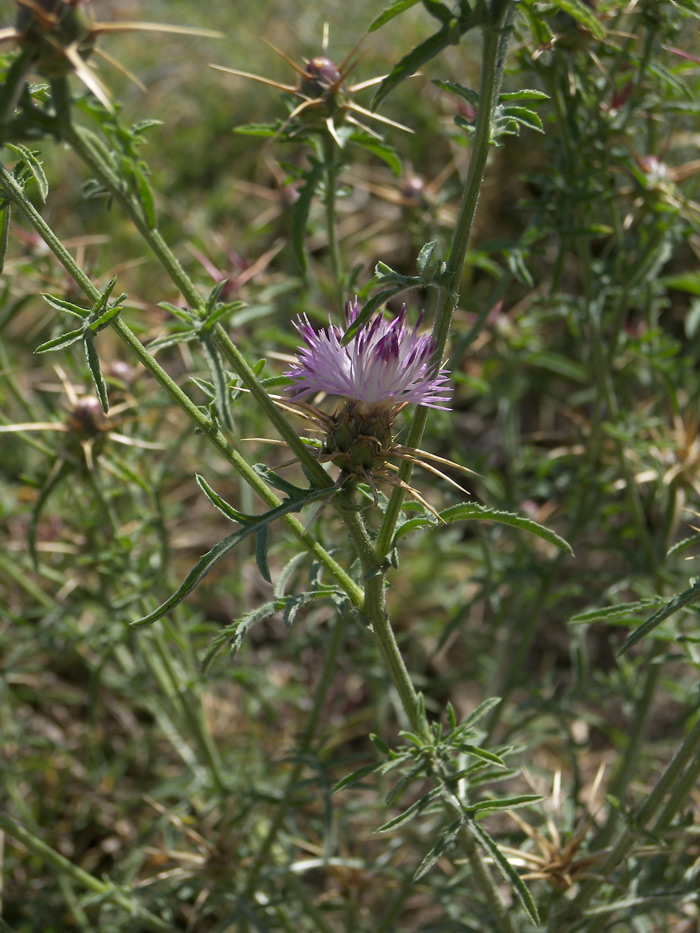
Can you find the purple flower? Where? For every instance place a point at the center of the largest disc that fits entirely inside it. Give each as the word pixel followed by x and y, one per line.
pixel 383 367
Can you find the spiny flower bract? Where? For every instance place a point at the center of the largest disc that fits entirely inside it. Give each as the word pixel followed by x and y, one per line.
pixel 385 366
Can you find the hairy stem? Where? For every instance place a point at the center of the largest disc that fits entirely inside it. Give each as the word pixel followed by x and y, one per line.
pixel 496 37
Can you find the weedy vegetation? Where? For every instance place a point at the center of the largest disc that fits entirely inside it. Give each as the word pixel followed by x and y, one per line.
pixel 349 466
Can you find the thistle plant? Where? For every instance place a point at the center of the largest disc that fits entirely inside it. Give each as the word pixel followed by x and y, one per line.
pixel 236 463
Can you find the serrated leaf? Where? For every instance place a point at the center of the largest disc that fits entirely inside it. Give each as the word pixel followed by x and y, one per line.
pixel 4 233
pixel 221 504
pixel 472 511
pixel 208 560
pixel 445 839
pixel 58 343
pixel 582 14
pixel 673 605
pixel 60 305
pixel 612 612
pixel 300 214
pixel 394 9
pixel 507 870
pixel 233 634
pixel 34 166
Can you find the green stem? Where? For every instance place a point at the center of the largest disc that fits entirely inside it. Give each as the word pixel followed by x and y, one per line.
pixel 61 864
pixel 496 38
pixel 327 673
pixel 375 610
pixel 14 192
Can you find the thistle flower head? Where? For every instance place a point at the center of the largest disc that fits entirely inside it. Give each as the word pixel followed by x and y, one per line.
pixel 384 367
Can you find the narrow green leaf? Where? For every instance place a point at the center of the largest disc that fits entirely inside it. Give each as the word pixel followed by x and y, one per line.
pixel 394 8
pixel 58 343
pixel 415 59
pixel 409 814
pixel 4 233
pixel 445 839
pixel 483 754
pixel 182 313
pixel 380 744
pixel 107 317
pixel 221 504
pixel 356 776
pixel 370 307
pixel 265 130
pixel 466 93
pixel 101 302
pixel 379 148
pixel 59 471
pixel 262 541
pixel 222 311
pixel 146 197
pixel 471 511
pixel 300 214
pixel 481 710
pixel 506 869
pixel 403 783
pixel 441 12
pixel 622 610
pixel 60 305
pixel 218 377
pixel 506 803
pixel 673 605
pixel 35 168
pixel 582 14
pixel 524 94
pixel 171 340
pixel 93 362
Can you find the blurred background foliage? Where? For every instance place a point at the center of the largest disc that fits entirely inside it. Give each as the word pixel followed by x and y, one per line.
pixel 575 358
